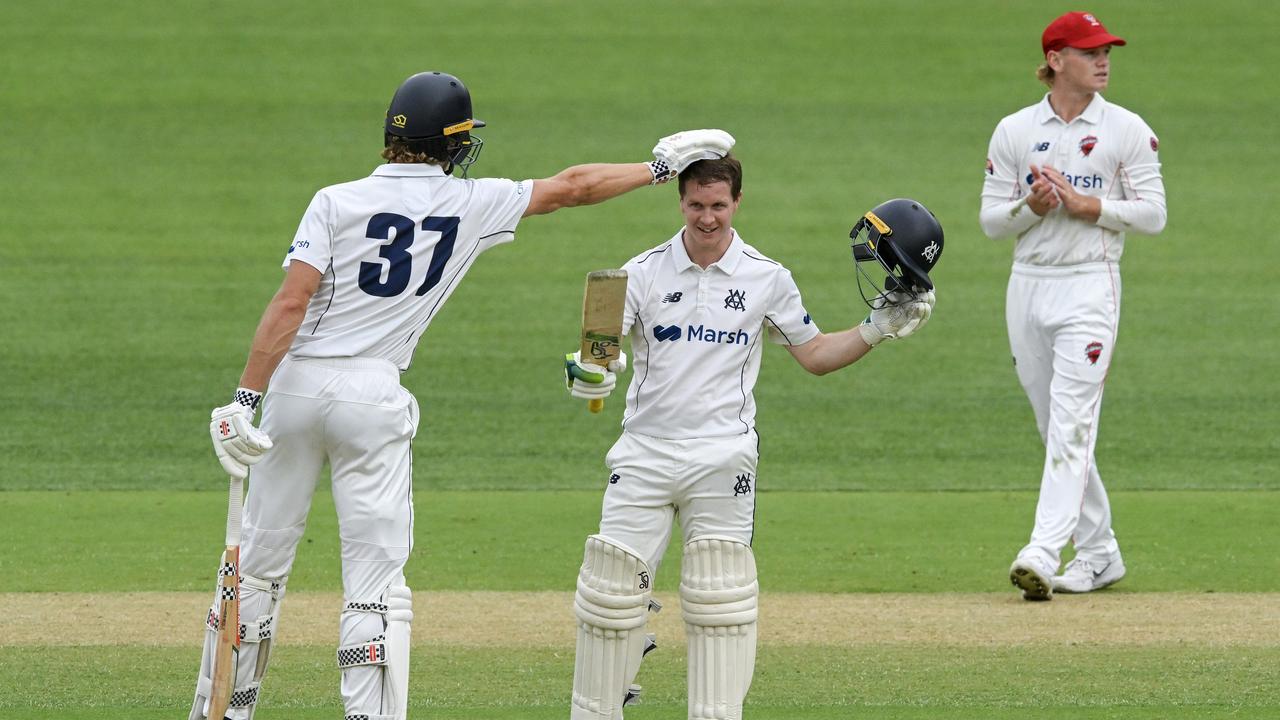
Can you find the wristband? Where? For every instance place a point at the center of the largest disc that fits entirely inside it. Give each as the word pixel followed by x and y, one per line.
pixel 248 398
pixel 661 172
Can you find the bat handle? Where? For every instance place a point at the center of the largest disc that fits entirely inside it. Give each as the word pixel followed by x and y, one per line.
pixel 596 405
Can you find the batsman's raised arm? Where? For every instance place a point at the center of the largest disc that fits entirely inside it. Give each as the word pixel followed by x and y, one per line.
pixel 595 183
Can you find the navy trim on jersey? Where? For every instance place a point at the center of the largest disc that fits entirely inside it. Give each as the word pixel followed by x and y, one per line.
pixel 333 289
pixel 780 330
pixel 761 259
pixel 654 252
pixel 500 232
pixel 647 364
pixel 742 381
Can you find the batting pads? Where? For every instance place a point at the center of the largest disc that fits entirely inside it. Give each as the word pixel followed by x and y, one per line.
pixel 611 606
pixel 259 599
pixel 718 594
pixel 375 671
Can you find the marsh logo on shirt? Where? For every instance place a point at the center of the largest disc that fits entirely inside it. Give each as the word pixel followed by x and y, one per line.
pixel 1081 181
pixel 701 334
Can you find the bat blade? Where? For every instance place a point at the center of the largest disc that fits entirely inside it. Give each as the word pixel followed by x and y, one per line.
pixel 226 653
pixel 603 303
pixel 227 648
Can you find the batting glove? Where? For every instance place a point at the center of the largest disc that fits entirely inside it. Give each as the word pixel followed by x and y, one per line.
pixel 897 316
pixel 674 153
pixel 236 442
pixel 590 381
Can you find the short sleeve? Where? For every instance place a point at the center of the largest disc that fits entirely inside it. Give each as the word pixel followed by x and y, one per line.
pixel 786 319
pixel 502 203
pixel 313 243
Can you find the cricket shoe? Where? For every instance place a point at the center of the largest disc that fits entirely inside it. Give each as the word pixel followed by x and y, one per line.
pixel 1082 576
pixel 1034 576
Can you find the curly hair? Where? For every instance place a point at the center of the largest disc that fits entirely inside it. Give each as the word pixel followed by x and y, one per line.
pixel 398 151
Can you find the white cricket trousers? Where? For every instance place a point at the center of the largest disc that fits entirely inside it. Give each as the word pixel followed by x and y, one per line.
pixel 352 413
pixel 710 483
pixel 1062 330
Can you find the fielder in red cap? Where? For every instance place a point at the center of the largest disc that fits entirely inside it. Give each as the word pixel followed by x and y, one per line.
pixel 1069 177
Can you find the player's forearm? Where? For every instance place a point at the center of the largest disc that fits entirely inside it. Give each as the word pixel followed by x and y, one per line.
pixel 1006 218
pixel 1146 216
pixel 597 182
pixel 271 341
pixel 831 351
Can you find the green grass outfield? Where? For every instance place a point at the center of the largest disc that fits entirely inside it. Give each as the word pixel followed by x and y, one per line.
pixel 157 157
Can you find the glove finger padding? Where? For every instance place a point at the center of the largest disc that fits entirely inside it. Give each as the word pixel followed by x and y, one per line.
pixel 619 365
pixel 682 149
pixel 229 465
pixel 587 380
pixel 236 442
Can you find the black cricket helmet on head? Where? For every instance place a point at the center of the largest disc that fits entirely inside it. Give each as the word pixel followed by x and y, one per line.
pixel 431 113
pixel 905 239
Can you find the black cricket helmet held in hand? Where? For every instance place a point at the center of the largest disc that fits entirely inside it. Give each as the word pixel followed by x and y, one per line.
pixel 431 113
pixel 906 240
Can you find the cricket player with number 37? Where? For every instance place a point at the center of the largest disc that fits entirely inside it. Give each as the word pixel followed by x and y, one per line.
pixel 371 264
pixel 698 310
pixel 1068 177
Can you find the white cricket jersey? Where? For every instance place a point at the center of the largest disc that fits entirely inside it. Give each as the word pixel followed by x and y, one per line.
pixel 696 337
pixel 392 247
pixel 1107 152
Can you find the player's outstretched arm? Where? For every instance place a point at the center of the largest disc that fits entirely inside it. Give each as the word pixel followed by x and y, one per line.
pixel 893 318
pixel 595 183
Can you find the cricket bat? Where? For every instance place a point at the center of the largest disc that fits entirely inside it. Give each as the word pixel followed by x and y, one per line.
pixel 603 303
pixel 226 655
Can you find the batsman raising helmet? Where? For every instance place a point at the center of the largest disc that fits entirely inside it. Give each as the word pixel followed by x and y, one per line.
pixel 698 308
pixel 371 264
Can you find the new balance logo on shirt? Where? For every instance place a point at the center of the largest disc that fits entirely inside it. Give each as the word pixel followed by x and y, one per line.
pixel 672 297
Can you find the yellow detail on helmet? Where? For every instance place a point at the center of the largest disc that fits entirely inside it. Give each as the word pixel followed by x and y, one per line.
pixel 460 127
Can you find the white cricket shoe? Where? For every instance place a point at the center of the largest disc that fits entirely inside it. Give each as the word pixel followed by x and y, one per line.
pixel 1034 576
pixel 1082 576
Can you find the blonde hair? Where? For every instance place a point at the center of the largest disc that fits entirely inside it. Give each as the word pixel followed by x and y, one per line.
pixel 398 152
pixel 1045 74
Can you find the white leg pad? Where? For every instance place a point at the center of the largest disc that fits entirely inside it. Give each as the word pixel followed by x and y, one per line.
pixel 375 667
pixel 611 605
pixel 259 599
pixel 718 598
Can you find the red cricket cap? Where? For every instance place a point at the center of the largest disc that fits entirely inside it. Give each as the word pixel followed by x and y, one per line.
pixel 1078 30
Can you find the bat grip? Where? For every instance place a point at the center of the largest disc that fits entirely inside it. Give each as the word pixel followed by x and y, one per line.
pixel 596 405
pixel 235 505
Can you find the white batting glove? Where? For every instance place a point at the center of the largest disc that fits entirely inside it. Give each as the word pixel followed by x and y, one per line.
pixel 236 442
pixel 897 316
pixel 674 153
pixel 590 381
